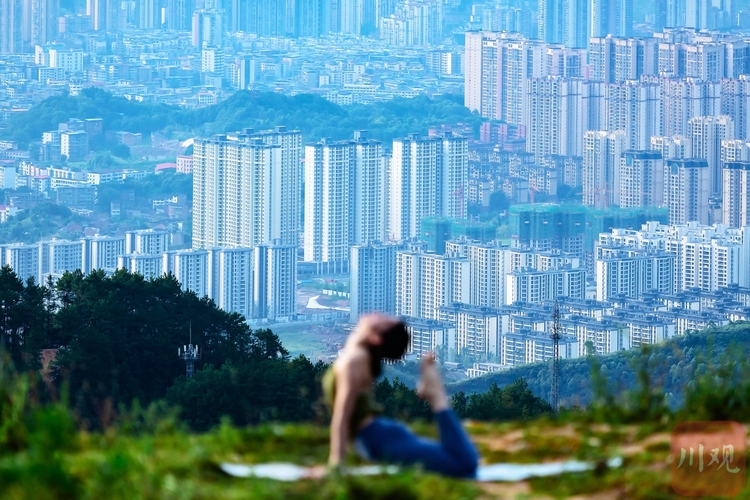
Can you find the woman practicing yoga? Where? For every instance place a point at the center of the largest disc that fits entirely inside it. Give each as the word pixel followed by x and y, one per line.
pixel 348 388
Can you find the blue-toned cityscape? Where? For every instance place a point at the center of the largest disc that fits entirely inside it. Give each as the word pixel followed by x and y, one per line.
pixel 585 153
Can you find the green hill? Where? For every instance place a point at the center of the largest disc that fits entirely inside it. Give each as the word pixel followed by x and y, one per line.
pixel 670 365
pixel 313 115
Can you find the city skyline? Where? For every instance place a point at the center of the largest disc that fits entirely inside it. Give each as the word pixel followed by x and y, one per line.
pixel 599 160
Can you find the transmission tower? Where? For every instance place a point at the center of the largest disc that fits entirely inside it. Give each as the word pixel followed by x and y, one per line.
pixel 556 336
pixel 189 354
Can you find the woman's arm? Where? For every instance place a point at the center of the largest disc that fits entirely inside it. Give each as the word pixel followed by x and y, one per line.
pixel 343 406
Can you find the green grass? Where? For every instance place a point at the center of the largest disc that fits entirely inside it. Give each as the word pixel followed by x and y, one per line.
pixel 165 462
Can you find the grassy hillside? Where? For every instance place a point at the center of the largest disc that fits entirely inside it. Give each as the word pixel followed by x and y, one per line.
pixel 47 453
pixel 671 365
pixel 162 462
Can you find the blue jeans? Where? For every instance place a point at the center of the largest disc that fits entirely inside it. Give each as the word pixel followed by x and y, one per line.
pixel 386 440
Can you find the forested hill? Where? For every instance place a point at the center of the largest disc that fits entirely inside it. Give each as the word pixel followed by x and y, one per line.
pixel 312 114
pixel 670 365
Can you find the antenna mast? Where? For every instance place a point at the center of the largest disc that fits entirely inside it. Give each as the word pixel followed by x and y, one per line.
pixel 556 336
pixel 189 354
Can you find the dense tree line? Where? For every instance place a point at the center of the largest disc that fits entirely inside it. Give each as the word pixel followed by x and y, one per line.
pixel 513 402
pixel 144 190
pixel 116 337
pixel 117 113
pixel 35 223
pixel 313 115
pixel 115 341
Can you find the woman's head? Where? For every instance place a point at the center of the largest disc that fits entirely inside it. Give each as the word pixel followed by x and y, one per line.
pixel 395 340
pixel 389 340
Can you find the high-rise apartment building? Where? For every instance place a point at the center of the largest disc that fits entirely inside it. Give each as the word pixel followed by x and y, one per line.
pixel 551 20
pixel 500 275
pixel 290 142
pixel 554 122
pixel 147 265
pixel 74 144
pixel 373 279
pixel 147 242
pixel 58 257
pixel 179 14
pixel 240 185
pixel 190 268
pixel 101 252
pixel 611 17
pixel 685 53
pixel 237 194
pixel 274 281
pixel 69 60
pixel 272 17
pixel 632 273
pixel 106 15
pixel 683 99
pixel 706 257
pixel 230 281
pixel 535 286
pixel 497 66
pixel 548 226
pixel 414 22
pixel 735 199
pixel 617 59
pixel 428 177
pixel 426 335
pixel 737 150
pixel 634 107
pixel 11 33
pixel 488 265
pixel 23 259
pixel 310 18
pixel 209 28
pixel 735 102
pixel 687 184
pixel 148 14
pixel 343 197
pixel 44 21
pixel 706 134
pixel 426 282
pixel 478 329
pixel 601 154
pixel 212 60
pixel 641 175
pixel 708 15
pixel 673 148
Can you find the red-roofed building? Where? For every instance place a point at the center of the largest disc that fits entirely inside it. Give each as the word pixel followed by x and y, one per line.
pixel 165 167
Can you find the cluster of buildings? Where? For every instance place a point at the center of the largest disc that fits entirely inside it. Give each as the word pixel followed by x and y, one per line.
pixel 195 53
pixel 649 131
pixel 54 182
pixel 652 121
pixel 354 191
pixel 573 22
pixel 238 279
pixel 494 301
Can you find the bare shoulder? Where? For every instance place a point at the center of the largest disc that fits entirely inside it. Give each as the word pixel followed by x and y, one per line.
pixel 354 366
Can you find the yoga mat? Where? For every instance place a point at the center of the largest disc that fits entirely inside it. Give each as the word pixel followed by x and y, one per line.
pixel 495 472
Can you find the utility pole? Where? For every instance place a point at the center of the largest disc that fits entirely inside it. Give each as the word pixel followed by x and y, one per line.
pixel 556 336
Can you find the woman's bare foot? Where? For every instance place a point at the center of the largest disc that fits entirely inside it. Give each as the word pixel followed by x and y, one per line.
pixel 431 388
